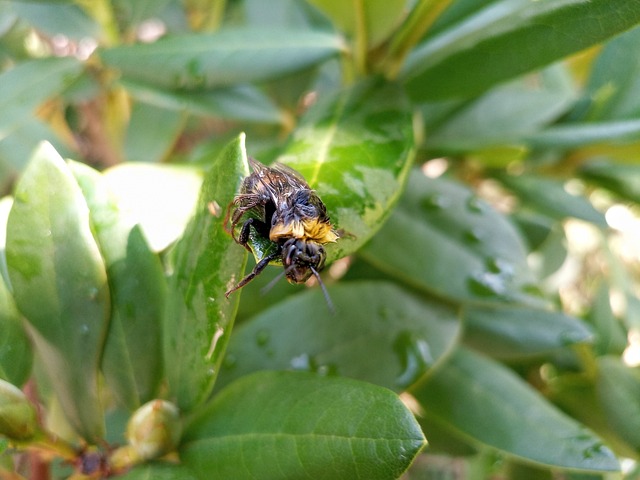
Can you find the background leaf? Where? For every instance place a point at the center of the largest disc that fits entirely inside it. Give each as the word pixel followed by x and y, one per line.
pixel 492 41
pixel 409 334
pixel 60 285
pixel 486 403
pixel 198 319
pixel 317 427
pixel 355 149
pixel 223 58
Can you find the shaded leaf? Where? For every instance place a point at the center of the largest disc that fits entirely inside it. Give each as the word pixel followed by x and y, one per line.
pixel 60 285
pixel 487 403
pixel 622 179
pixel 152 133
pixel 355 149
pixel 132 359
pixel 446 241
pixel 551 198
pixel 278 425
pixel 571 135
pixel 198 318
pixel 161 198
pixel 515 332
pixel 497 43
pixel 55 18
pixel 16 355
pixel 409 335
pixel 240 55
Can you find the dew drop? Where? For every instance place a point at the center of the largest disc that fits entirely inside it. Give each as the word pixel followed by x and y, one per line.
pixel 415 357
pixel 303 362
pixel 474 204
pixel 262 337
pixel 434 202
pixel 487 284
pixel 384 313
pixel 230 361
pixel 473 236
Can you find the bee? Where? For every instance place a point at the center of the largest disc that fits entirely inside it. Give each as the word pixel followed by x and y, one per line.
pixel 275 204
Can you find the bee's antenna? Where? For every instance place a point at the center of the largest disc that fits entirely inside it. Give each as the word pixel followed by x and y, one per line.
pixel 264 290
pixel 324 291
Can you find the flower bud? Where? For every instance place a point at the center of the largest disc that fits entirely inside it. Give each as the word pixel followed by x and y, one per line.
pixel 154 429
pixel 18 419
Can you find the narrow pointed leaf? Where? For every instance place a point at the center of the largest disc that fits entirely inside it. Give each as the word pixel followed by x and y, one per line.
pixel 16 355
pixel 279 425
pixel 132 360
pixel 228 57
pixel 60 284
pixel 198 318
pixel 446 241
pixel 487 403
pixel 622 179
pixel 355 150
pixel 409 335
pixel 472 55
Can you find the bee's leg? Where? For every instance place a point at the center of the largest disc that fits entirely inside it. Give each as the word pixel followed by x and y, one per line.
pixel 259 226
pixel 261 265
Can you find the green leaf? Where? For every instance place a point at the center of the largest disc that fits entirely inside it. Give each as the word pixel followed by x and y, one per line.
pixel 161 198
pixel 52 18
pixel 571 135
pixel 16 356
pixel 409 335
pixel 550 197
pixel 151 133
pixel 618 389
pixel 515 332
pixel 375 19
pixel 355 149
pixel 624 180
pixel 198 318
pixel 60 284
pixel 508 38
pixel 242 102
pixel 278 425
pixel 132 360
pixel 487 403
pixel 446 241
pixel 231 56
pixel 29 84
pixel 158 471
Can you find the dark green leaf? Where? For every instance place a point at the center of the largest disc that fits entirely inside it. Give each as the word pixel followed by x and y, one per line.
pixel 514 332
pixel 611 337
pixel 199 318
pixel 151 133
pixel 408 334
pixel 508 38
pixel 197 61
pixel 573 135
pixel 355 149
pixel 161 198
pixel 60 284
pixel 132 360
pixel 446 241
pixel 551 198
pixel 618 389
pixel 621 179
pixel 243 102
pixel 487 403
pixel 16 355
pixel 282 425
pixel 27 85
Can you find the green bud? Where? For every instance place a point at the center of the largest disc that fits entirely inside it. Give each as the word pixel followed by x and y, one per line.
pixel 154 429
pixel 18 420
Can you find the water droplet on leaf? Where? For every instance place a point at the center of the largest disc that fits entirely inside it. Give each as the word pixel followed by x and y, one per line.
pixel 415 357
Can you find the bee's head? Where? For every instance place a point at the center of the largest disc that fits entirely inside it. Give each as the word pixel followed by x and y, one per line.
pixel 301 259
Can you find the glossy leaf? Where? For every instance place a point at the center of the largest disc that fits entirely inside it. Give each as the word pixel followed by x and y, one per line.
pixel 496 43
pixel 515 332
pixel 446 241
pixel 207 262
pixel 161 198
pixel 409 335
pixel 27 85
pixel 277 425
pixel 374 18
pixel 132 359
pixel 241 102
pixel 618 389
pixel 487 403
pixel 60 284
pixel 16 355
pixel 550 197
pixel 231 56
pixel 355 150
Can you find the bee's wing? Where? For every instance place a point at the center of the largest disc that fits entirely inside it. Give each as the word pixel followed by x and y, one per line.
pixel 291 175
